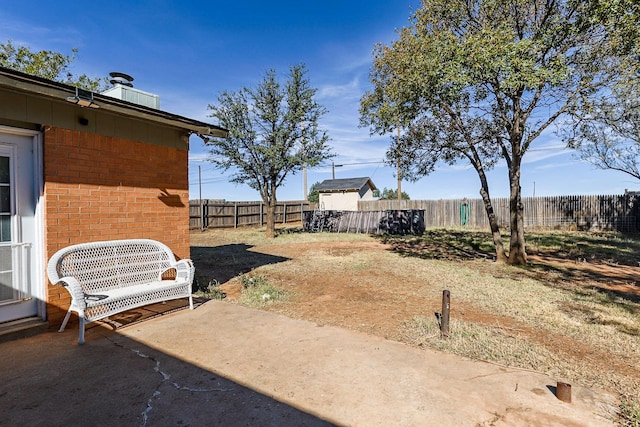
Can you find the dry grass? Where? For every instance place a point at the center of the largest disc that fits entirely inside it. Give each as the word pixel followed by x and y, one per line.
pixel 553 319
pixel 257 292
pixel 512 347
pixel 255 236
pixel 495 344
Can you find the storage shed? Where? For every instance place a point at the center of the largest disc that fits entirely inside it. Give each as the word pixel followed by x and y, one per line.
pixel 343 194
pixel 76 167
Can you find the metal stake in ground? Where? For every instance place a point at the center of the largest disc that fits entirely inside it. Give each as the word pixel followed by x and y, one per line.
pixel 563 392
pixel 444 320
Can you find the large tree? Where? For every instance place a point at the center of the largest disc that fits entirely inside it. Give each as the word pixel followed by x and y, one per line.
pixel 606 131
pixel 273 132
pixel 480 80
pixel 314 194
pixel 605 127
pixel 47 64
pixel 390 194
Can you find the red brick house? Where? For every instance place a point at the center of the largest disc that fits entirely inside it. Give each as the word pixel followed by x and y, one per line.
pixel 77 167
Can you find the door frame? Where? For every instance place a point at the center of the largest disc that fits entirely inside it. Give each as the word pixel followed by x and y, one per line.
pixel 39 284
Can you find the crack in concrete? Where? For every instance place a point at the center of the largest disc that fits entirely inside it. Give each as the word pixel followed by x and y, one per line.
pixel 165 378
pixel 149 408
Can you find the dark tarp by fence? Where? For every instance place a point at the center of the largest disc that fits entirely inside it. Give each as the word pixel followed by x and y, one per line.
pixel 409 221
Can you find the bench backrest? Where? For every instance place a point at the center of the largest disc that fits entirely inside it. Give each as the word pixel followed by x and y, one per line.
pixel 111 264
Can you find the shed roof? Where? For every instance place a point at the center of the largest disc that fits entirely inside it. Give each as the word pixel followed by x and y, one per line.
pixel 345 184
pixel 45 88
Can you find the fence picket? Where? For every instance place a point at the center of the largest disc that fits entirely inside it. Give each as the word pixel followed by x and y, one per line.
pixel 221 214
pixel 598 212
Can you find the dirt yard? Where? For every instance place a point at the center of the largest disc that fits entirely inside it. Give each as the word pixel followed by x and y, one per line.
pixel 380 286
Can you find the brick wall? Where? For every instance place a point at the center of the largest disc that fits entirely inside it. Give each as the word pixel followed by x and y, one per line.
pixel 105 188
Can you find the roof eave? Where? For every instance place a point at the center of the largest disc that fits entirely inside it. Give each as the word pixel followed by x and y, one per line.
pixel 341 190
pixel 362 182
pixel 38 86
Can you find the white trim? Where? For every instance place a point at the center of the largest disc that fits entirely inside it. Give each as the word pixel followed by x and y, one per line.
pixel 39 251
pixel 39 285
pixel 19 131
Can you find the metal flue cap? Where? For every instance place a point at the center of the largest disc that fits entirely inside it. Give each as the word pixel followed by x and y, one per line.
pixel 122 79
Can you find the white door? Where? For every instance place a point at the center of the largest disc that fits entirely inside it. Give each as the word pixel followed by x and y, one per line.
pixel 21 273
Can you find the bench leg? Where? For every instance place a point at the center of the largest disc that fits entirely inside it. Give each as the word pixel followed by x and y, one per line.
pixel 190 302
pixel 64 322
pixel 82 322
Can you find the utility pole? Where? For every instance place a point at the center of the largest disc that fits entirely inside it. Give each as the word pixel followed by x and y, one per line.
pixel 304 165
pixel 304 181
pixel 334 166
pixel 399 172
pixel 200 198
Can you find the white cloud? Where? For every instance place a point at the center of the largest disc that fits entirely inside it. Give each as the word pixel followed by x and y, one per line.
pixel 198 157
pixel 350 90
pixel 39 37
pixel 555 165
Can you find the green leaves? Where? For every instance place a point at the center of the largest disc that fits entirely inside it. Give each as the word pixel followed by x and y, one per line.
pixel 606 130
pixel 480 80
pixel 273 131
pixel 47 64
pixel 390 194
pixel 314 194
pixel 484 78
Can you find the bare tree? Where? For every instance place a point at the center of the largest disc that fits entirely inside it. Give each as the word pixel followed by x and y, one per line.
pixel 273 132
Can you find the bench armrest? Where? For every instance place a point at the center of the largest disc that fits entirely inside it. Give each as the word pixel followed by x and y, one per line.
pixel 75 289
pixel 185 270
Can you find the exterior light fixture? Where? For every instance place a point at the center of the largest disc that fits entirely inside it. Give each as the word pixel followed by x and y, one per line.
pixel 83 98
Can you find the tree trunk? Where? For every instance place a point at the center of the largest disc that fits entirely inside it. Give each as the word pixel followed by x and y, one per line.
pixel 493 224
pixel 517 253
pixel 493 221
pixel 271 221
pixel 488 207
pixel 271 212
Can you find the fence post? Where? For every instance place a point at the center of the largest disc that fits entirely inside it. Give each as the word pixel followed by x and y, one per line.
pixel 444 319
pixel 201 215
pixel 206 213
pixel 235 215
pixel 284 213
pixel 622 212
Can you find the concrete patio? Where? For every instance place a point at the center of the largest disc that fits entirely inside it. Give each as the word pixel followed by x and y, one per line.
pixel 222 364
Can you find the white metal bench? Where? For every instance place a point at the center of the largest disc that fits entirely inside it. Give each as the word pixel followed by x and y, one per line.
pixel 105 278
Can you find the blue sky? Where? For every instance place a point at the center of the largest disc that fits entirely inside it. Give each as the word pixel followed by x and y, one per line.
pixel 187 52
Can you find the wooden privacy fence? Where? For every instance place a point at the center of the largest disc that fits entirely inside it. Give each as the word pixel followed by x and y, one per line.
pixel 607 212
pixel 222 214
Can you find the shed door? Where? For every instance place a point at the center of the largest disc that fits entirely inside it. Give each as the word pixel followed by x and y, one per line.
pixel 18 227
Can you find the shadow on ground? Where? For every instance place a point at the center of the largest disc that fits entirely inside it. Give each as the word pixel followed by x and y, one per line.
pixel 603 247
pixel 607 262
pixel 225 262
pixel 442 245
pixel 113 380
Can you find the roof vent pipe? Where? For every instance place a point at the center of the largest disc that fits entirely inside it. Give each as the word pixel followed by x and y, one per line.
pixel 120 79
pixel 123 89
